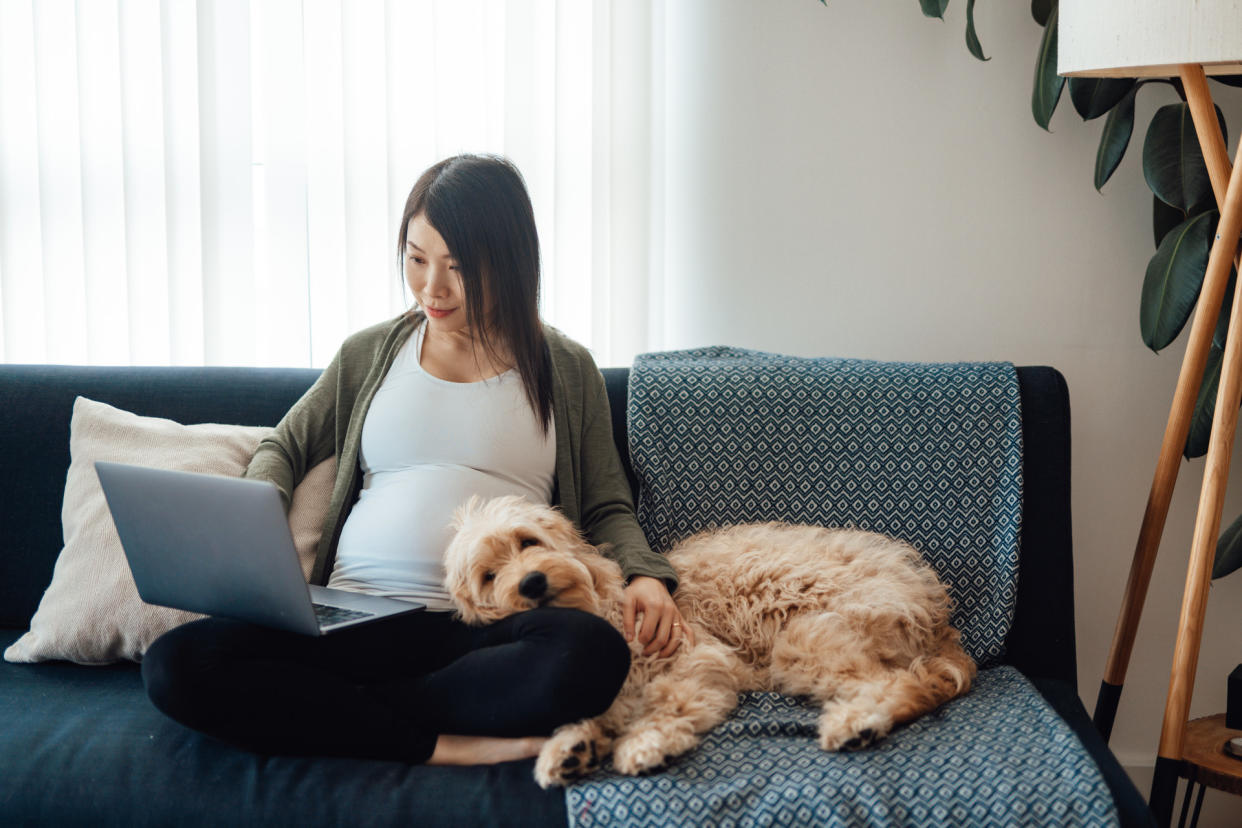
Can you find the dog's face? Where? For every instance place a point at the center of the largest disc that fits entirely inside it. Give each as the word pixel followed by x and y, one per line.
pixel 511 555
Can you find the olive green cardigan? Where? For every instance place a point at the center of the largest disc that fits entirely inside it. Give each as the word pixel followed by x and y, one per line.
pixel 591 487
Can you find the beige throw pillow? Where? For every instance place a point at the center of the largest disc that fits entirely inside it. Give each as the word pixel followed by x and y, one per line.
pixel 91 612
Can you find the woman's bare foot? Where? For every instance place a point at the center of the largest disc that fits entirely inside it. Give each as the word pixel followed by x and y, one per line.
pixel 483 750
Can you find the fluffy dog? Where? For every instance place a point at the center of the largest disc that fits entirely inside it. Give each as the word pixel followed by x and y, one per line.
pixel 854 620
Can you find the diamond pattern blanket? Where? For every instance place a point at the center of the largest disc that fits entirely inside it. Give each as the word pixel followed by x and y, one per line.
pixel 928 453
pixel 998 756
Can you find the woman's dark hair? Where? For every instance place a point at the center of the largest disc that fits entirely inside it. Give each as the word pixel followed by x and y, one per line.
pixel 479 206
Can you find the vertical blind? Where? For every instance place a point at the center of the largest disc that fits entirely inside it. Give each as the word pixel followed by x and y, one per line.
pixel 219 182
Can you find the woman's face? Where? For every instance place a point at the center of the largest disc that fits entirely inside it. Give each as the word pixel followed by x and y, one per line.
pixel 434 278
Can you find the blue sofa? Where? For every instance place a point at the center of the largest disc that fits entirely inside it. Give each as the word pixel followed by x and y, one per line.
pixel 83 746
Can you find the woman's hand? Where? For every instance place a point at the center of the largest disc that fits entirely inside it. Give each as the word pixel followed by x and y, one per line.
pixel 659 623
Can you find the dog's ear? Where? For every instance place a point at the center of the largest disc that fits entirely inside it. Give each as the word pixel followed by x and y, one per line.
pixel 605 572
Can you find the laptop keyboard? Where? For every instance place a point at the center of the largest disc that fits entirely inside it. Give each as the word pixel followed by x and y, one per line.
pixel 328 615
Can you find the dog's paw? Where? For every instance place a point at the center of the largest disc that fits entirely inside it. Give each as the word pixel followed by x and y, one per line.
pixel 643 752
pixel 571 753
pixel 845 729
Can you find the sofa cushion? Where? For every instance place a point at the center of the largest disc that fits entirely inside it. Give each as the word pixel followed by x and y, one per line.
pixel 929 453
pixel 91 612
pixel 84 746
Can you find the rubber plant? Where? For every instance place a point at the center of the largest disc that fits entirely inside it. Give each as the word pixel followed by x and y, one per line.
pixel 1184 213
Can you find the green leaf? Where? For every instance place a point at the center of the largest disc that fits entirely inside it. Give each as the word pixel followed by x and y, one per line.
pixel 1228 550
pixel 1048 83
pixel 1174 278
pixel 972 39
pixel 934 8
pixel 1208 200
pixel 1172 161
pixel 1205 407
pixel 1093 97
pixel 1118 127
pixel 1164 218
pixel 1041 10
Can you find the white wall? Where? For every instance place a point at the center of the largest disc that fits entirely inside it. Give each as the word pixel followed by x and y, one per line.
pixel 848 181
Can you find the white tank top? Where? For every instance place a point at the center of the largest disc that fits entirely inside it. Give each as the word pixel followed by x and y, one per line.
pixel 427 446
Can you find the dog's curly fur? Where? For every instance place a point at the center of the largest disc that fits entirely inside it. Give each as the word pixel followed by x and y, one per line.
pixel 855 620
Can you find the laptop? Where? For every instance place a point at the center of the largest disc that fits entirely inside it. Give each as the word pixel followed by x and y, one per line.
pixel 221 546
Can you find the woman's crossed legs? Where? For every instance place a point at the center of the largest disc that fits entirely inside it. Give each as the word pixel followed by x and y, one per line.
pixel 389 689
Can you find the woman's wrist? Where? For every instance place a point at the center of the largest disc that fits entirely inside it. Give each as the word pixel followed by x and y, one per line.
pixel 637 576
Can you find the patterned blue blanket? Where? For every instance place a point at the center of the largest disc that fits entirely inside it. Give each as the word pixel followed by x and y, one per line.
pixel 998 756
pixel 929 453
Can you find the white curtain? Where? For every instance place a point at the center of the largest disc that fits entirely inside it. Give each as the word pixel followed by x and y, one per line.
pixel 219 182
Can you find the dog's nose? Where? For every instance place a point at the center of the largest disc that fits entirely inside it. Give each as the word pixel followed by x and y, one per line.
pixel 533 585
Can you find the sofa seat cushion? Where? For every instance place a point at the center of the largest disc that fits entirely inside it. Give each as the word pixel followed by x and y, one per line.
pixel 1000 755
pixel 83 746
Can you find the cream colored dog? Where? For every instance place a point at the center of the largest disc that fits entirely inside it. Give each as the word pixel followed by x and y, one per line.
pixel 855 620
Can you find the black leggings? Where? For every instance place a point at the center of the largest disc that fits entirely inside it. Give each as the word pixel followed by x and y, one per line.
pixel 385 690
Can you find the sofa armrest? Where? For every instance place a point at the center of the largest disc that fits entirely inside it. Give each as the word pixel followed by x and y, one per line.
pixel 1041 642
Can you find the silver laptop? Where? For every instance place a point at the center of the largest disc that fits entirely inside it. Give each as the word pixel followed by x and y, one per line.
pixel 221 546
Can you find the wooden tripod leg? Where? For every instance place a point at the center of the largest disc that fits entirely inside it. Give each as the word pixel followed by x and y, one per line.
pixel 1213 145
pixel 1207 521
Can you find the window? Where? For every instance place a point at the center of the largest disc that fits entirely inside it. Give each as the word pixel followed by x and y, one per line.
pixel 218 183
